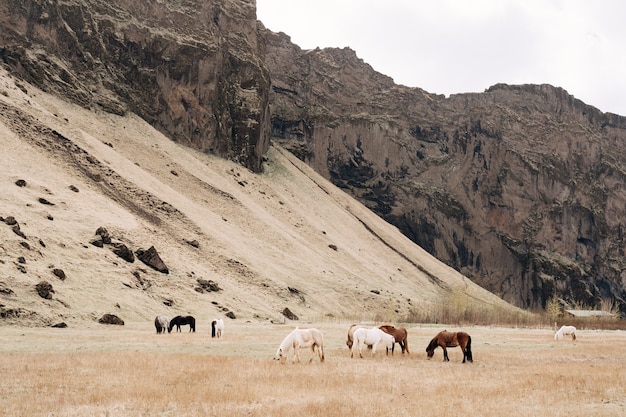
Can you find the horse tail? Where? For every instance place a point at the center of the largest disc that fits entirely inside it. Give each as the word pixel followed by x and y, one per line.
pixel 406 344
pixel 320 347
pixel 213 328
pixel 468 349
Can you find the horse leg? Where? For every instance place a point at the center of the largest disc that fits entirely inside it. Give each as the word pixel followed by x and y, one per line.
pixel 445 354
pixel 468 350
pixel 296 353
pixel 312 353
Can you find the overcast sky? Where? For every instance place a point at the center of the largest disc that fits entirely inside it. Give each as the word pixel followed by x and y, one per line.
pixel 458 46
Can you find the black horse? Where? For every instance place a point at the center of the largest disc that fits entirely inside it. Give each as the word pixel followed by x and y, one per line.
pixel 181 321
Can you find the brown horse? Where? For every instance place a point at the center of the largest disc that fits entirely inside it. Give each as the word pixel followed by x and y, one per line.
pixel 399 334
pixel 447 339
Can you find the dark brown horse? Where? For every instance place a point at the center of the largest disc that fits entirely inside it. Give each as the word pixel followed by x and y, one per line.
pixel 399 334
pixel 447 339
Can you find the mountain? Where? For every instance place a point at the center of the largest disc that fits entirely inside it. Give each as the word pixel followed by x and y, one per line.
pixel 86 193
pixel 522 188
pixel 139 175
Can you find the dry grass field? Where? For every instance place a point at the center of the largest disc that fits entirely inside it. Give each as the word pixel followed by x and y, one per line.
pixel 131 371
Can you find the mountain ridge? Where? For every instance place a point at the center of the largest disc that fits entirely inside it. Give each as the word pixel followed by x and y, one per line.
pixel 284 239
pixel 511 186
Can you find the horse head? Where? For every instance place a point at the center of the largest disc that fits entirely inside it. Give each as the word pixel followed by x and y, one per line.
pixel 280 355
pixel 430 349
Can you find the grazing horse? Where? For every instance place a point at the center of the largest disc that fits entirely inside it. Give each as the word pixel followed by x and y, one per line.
pixel 301 338
pixel 351 330
pixel 161 323
pixel 217 328
pixel 181 321
pixel 565 331
pixel 399 334
pixel 371 337
pixel 447 339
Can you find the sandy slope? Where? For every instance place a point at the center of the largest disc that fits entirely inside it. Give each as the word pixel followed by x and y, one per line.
pixel 258 235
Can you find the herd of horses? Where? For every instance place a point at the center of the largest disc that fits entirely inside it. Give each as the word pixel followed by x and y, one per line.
pixel 383 336
pixel 359 337
pixel 161 323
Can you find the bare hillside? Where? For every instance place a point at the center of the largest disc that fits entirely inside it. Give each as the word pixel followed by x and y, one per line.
pixel 233 241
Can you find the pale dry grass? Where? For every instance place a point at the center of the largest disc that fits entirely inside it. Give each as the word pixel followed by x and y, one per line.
pixel 130 371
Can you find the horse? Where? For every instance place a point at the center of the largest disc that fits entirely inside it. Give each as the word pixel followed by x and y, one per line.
pixel 161 323
pixel 351 330
pixel 565 331
pixel 399 334
pixel 301 338
pixel 447 339
pixel 181 321
pixel 217 328
pixel 371 337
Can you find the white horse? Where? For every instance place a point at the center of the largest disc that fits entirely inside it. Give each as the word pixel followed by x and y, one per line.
pixel 217 328
pixel 161 323
pixel 301 338
pixel 371 337
pixel 564 331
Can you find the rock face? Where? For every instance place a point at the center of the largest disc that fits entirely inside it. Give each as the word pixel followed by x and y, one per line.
pixel 193 69
pixel 521 188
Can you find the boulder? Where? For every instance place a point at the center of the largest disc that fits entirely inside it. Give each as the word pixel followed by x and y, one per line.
pixel 123 252
pixel 289 314
pixel 111 319
pixel 59 273
pixel 45 290
pixel 151 258
pixel 104 234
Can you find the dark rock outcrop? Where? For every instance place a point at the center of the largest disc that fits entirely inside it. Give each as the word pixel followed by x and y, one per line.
pixel 111 319
pixel 45 290
pixel 521 188
pixel 105 237
pixel 59 273
pixel 151 258
pixel 192 69
pixel 289 314
pixel 205 285
pixel 123 252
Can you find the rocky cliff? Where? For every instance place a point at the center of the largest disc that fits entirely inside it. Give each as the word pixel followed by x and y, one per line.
pixel 192 69
pixel 521 188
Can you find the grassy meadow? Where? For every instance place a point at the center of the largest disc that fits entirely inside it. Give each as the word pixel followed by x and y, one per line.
pixel 129 370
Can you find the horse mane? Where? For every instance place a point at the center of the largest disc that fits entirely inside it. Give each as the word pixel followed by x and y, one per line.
pixel 433 344
pixel 435 340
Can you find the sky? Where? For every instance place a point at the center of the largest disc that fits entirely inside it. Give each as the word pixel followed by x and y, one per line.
pixel 460 46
